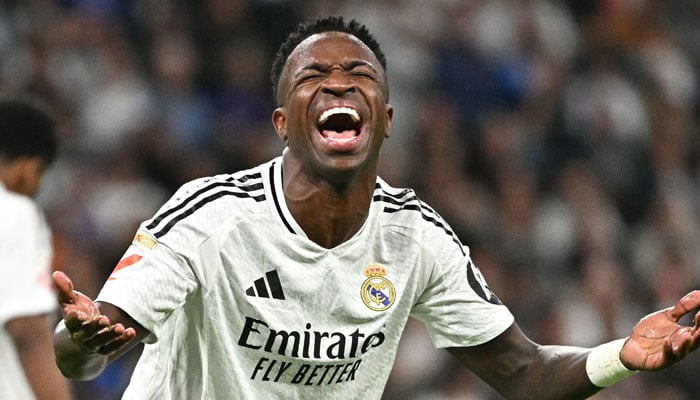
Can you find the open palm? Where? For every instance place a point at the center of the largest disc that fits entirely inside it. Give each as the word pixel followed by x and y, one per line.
pixel 86 326
pixel 658 340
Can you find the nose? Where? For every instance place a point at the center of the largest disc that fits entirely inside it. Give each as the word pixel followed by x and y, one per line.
pixel 338 83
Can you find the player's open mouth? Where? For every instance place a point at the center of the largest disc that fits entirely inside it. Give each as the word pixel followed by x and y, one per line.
pixel 340 124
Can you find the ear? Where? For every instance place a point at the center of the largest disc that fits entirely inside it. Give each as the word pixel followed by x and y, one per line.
pixel 387 122
pixel 279 121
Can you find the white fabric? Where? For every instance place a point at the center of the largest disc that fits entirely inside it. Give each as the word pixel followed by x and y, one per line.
pixel 604 366
pixel 186 276
pixel 25 262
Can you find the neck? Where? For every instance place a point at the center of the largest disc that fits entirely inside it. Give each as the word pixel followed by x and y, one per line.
pixel 20 176
pixel 330 213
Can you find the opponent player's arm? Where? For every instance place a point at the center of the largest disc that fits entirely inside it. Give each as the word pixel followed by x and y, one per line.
pixel 91 335
pixel 521 369
pixel 32 338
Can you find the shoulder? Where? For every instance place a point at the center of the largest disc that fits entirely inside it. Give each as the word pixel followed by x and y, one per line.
pixel 210 188
pixel 201 203
pixel 19 208
pixel 402 209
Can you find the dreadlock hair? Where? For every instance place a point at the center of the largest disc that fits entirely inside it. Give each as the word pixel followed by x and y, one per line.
pixel 26 130
pixel 313 26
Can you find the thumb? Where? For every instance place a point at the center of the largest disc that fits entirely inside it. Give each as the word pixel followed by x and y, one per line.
pixel 685 305
pixel 64 285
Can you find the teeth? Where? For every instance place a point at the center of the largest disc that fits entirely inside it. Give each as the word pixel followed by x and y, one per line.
pixel 339 110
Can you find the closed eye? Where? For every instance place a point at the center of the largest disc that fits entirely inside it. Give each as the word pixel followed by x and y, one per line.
pixel 307 78
pixel 363 74
pixel 310 77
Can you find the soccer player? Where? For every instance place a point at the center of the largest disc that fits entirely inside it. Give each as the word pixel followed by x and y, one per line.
pixel 295 279
pixel 28 306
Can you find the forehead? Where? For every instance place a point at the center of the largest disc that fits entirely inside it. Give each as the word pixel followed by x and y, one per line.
pixel 329 48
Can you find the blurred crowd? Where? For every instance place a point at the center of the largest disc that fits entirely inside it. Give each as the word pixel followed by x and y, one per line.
pixel 558 138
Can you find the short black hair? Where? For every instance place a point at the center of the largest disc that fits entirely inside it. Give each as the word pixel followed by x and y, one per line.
pixel 26 130
pixel 319 25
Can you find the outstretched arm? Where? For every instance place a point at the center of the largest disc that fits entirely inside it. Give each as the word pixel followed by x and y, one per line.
pixel 521 369
pixel 91 334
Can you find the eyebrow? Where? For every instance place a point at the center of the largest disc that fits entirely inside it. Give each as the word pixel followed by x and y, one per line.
pixel 316 66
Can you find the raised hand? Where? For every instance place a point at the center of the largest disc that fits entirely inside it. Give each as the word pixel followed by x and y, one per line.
pixel 658 340
pixel 86 326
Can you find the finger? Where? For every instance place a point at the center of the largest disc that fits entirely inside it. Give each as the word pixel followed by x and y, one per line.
pixel 111 338
pixel 684 336
pixel 94 326
pixel 685 305
pixel 668 355
pixel 113 346
pixel 684 349
pixel 695 338
pixel 74 317
pixel 82 327
pixel 100 338
pixel 91 336
pixel 74 321
pixel 126 336
pixel 64 286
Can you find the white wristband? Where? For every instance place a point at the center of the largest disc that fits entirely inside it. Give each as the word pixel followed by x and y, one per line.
pixel 603 364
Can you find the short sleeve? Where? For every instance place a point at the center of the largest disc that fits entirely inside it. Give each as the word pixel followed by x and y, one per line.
pixel 149 283
pixel 25 261
pixel 459 309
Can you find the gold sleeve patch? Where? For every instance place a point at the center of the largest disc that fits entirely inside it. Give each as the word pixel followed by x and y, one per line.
pixel 144 240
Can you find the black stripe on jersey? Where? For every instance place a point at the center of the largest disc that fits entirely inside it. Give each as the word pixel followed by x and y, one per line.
pixel 275 285
pixel 479 286
pixel 227 183
pixel 276 200
pixel 186 213
pixel 413 203
pixel 182 207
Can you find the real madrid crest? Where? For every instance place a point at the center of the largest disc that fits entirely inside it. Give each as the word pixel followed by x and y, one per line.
pixel 377 292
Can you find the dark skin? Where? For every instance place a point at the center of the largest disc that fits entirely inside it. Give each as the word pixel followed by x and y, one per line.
pixel 328 183
pixel 328 186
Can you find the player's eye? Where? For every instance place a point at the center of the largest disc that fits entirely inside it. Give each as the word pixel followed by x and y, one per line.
pixel 310 77
pixel 363 74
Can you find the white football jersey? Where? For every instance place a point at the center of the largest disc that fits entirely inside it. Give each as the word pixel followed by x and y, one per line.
pixel 25 283
pixel 242 305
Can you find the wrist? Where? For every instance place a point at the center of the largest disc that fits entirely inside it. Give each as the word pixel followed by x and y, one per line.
pixel 603 365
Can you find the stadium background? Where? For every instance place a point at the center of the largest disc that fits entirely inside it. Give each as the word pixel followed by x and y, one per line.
pixel 559 138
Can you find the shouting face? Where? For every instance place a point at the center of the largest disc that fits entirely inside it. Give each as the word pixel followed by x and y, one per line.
pixel 333 111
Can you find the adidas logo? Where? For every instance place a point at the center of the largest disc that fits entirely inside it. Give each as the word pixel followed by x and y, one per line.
pixel 267 287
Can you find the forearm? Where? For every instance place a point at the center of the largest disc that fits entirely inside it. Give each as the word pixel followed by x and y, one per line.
pixel 75 361
pixel 552 372
pixel 46 381
pixel 32 338
pixel 562 372
pixel 521 369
